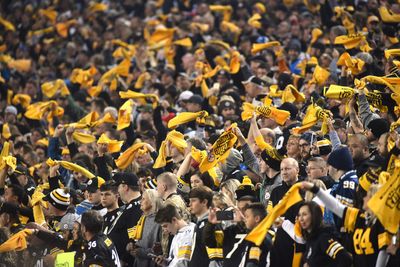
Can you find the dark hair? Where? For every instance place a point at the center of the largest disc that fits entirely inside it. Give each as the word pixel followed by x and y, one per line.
pixel 19 192
pixel 205 178
pixel 7 258
pixel 316 219
pixel 258 209
pixel 197 143
pixel 202 193
pixel 109 186
pixel 167 213
pixel 93 221
pixel 144 172
pixel 100 103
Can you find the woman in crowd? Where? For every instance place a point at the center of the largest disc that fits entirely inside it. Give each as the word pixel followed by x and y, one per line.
pixel 147 232
pixel 369 238
pixel 322 246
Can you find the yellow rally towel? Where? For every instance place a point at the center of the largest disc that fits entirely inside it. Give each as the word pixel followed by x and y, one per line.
pixel 388 16
pixel 50 14
pixel 22 65
pixel 83 138
pixel 220 149
pixel 354 64
pixel 83 77
pixel 392 52
pixel 97 7
pixel 350 41
pixel 87 121
pixel 5 131
pixel 37 110
pixel 259 47
pixel 314 113
pixel 145 76
pixel 111 76
pixel 140 96
pixel 257 235
pixel 320 75
pixel 185 117
pixel 280 116
pixel 49 89
pixel 254 21
pixel 63 27
pixel 113 146
pixel 6 159
pixel 177 140
pixel 186 42
pixel 126 158
pixel 161 35
pixel 229 26
pixel 136 232
pixel 7 24
pixel 17 242
pixel 107 118
pixel 201 26
pixel 71 166
pixel 291 94
pixel 385 203
pixel 338 92
pixel 38 204
pixel 234 65
pixel 22 99
pixel 124 115
pixel 380 80
pixel 226 11
pixel 125 50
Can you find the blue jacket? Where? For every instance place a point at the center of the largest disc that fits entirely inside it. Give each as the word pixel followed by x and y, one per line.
pixel 345 189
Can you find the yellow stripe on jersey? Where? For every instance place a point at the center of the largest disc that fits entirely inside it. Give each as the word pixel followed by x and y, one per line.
pixel 350 218
pixel 219 237
pixel 184 252
pixel 297 256
pixel 255 253
pixel 336 252
pixel 384 239
pixel 214 253
pixel 333 249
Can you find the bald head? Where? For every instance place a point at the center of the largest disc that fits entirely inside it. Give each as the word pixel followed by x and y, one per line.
pixel 289 170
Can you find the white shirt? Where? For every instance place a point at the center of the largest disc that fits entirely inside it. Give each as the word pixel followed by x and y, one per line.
pixel 181 246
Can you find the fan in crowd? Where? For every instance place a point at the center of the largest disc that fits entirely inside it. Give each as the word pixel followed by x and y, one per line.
pixel 193 133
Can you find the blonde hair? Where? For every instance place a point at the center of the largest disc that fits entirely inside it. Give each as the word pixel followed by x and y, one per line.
pixel 222 201
pixel 156 201
pixel 230 185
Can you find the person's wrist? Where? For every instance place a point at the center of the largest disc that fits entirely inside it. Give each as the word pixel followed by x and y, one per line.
pixel 314 189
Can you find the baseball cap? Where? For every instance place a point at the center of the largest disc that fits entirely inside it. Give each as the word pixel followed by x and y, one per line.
pixel 185 96
pixel 94 184
pixel 67 221
pixel 11 109
pixel 126 178
pixel 196 99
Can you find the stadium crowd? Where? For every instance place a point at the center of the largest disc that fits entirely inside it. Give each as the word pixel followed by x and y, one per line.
pixel 199 133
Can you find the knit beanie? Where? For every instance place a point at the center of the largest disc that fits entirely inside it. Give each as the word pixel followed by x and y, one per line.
pixel 378 127
pixel 59 198
pixel 341 159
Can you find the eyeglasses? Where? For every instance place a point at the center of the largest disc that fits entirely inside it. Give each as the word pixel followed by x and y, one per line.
pixel 312 168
